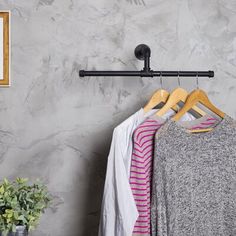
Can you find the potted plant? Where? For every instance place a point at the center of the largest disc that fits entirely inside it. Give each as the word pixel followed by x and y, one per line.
pixel 21 206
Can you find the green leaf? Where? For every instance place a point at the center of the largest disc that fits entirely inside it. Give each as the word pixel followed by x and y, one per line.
pixel 5 181
pixel 2 189
pixel 14 228
pixel 21 180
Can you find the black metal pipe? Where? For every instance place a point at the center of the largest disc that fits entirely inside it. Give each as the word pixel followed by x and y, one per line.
pixel 148 73
pixel 143 52
pixel 147 64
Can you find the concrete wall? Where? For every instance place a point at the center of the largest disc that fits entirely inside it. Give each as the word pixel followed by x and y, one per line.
pixel 57 126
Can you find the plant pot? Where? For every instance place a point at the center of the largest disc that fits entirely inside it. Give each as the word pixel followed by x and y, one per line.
pixel 20 231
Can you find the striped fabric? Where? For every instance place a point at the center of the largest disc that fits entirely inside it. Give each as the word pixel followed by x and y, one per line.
pixel 141 170
pixel 208 123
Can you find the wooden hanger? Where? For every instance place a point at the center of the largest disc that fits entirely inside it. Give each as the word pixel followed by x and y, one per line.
pixel 194 97
pixel 175 97
pixel 160 96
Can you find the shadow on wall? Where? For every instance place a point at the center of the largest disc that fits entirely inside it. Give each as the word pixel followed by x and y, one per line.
pixel 94 191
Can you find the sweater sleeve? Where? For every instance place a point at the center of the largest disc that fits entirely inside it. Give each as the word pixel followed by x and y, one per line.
pixel 154 210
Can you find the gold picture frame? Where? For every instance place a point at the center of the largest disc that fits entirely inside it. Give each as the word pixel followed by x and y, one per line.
pixel 4 48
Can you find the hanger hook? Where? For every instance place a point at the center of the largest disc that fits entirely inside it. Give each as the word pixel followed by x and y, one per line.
pixel 178 79
pixel 197 82
pixel 161 80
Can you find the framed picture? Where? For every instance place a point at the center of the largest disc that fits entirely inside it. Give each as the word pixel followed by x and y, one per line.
pixel 4 48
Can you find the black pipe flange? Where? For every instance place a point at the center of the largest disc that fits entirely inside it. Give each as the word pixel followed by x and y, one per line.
pixel 142 51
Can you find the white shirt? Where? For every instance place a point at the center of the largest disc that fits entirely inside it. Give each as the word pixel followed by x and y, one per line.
pixel 119 212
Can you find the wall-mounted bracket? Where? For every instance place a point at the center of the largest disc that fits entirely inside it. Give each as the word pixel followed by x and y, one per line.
pixel 143 52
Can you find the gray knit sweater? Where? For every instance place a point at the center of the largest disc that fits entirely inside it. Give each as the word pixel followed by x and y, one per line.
pixel 194 181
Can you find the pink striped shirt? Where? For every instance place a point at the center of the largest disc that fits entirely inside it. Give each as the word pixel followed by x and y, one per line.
pixel 141 169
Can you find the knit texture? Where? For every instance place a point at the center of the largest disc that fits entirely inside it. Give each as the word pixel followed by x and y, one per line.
pixel 194 181
pixel 142 163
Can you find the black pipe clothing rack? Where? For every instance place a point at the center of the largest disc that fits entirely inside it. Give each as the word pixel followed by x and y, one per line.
pixel 143 52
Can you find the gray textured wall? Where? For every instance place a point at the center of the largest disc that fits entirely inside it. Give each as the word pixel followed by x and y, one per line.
pixel 57 126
